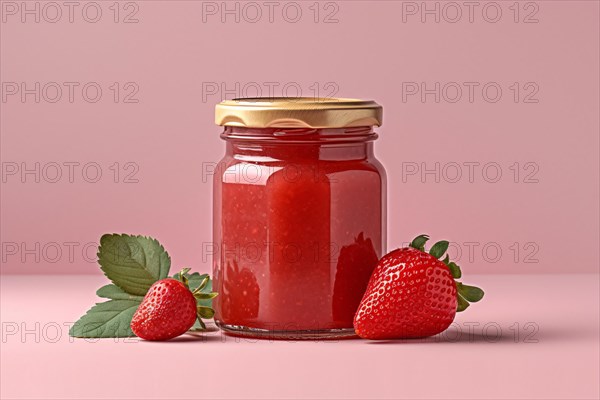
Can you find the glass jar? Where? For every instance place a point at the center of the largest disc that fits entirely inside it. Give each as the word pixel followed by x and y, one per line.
pixel 299 215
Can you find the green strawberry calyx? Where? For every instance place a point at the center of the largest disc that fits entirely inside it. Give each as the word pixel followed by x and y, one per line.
pixel 201 293
pixel 465 294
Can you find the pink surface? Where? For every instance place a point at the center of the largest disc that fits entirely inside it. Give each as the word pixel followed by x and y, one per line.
pixel 179 59
pixel 554 356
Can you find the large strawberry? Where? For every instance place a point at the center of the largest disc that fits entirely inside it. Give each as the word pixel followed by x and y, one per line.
pixel 413 294
pixel 169 309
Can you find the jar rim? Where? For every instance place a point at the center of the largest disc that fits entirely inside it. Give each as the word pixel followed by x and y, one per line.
pixel 298 112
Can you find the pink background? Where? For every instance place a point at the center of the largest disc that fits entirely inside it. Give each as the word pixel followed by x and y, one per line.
pixel 544 226
pixel 171 54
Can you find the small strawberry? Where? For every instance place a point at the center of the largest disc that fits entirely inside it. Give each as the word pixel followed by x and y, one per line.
pixel 169 309
pixel 413 294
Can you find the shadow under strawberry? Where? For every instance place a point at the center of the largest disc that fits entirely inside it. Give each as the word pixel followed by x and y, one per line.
pixel 354 268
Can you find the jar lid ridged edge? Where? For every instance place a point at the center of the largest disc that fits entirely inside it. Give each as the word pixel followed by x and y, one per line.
pixel 303 112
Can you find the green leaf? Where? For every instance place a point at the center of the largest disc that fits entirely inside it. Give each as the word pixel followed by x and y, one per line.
pixel 419 242
pixel 195 281
pixel 462 303
pixel 185 271
pixel 106 320
pixel 438 249
pixel 470 293
pixel 114 292
pixel 454 270
pixel 205 296
pixel 133 263
pixel 199 325
pixel 205 312
pixel 206 289
pixel 203 283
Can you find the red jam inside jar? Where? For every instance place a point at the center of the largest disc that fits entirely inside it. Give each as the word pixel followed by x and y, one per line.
pixel 299 215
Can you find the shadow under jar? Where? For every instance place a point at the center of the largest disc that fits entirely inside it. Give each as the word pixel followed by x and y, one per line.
pixel 299 215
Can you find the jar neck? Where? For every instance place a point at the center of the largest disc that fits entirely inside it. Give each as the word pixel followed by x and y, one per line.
pixel 300 135
pixel 333 144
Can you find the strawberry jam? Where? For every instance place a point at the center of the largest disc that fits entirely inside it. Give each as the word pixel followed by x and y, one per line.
pixel 299 222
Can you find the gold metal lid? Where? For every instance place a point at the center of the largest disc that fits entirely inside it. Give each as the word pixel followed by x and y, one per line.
pixel 300 112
